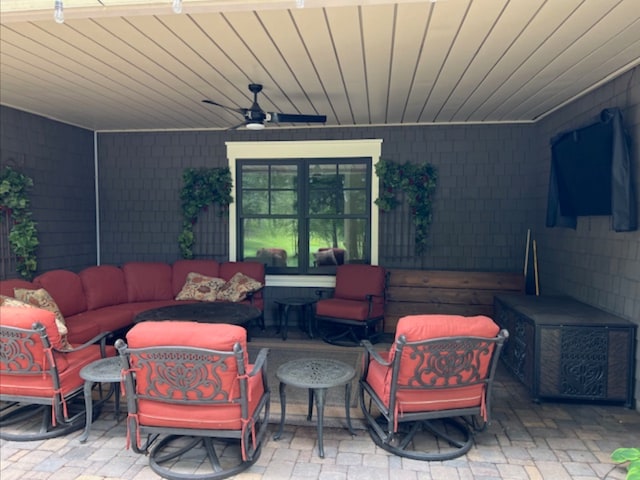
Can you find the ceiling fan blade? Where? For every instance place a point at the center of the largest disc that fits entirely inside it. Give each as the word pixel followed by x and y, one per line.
pixel 233 109
pixel 296 118
pixel 235 127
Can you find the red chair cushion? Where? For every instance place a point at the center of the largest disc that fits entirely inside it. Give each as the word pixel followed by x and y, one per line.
pixel 347 309
pixel 39 383
pixel 355 282
pixel 190 334
pixel 424 327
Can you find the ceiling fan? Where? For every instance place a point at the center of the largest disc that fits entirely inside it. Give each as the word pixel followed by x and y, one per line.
pixel 255 117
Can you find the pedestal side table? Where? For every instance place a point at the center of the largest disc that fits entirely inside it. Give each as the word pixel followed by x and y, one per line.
pixel 305 306
pixel 317 375
pixel 105 370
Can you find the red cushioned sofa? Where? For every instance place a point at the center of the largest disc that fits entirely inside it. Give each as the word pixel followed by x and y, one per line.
pixel 106 298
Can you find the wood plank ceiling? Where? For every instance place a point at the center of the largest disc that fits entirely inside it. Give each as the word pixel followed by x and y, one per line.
pixel 134 65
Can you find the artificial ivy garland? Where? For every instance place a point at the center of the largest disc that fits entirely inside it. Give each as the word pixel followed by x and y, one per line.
pixel 23 236
pixel 202 187
pixel 418 182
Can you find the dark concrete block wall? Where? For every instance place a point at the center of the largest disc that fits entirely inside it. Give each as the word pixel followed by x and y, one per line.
pixel 480 209
pixel 59 159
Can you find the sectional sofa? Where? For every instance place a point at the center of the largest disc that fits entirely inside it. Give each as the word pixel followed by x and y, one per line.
pixel 106 298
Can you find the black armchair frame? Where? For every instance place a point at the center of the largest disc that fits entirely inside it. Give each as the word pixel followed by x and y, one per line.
pixel 456 361
pixel 166 445
pixel 60 414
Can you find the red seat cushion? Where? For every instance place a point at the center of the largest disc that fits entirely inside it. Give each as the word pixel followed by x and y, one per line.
pixel 39 383
pixel 190 334
pixel 424 327
pixel 347 309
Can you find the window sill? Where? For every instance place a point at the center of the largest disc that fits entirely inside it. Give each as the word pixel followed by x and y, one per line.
pixel 321 281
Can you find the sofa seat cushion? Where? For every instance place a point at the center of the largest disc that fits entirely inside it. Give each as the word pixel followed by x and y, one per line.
pixel 104 285
pixel 66 289
pixel 147 281
pixel 182 268
pixel 86 325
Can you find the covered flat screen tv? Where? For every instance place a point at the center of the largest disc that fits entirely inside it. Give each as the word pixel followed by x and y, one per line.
pixel 582 162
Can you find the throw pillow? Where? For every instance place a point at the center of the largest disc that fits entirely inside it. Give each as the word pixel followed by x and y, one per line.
pixel 200 287
pixel 13 302
pixel 237 288
pixel 40 298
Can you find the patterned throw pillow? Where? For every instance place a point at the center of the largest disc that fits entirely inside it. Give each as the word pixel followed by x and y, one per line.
pixel 200 287
pixel 237 288
pixel 13 302
pixel 41 299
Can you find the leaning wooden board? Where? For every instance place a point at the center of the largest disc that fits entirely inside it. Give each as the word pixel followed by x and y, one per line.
pixel 411 292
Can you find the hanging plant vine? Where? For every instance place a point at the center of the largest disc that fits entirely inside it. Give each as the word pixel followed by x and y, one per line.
pixel 202 187
pixel 14 206
pixel 418 182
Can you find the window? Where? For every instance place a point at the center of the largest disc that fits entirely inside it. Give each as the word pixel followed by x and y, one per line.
pixel 304 207
pixel 304 216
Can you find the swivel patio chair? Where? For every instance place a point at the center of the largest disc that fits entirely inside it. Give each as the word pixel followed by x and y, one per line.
pixel 428 396
pixel 356 309
pixel 191 390
pixel 40 385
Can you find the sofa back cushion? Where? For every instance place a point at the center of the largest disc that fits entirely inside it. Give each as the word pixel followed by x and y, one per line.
pixel 182 268
pixel 65 287
pixel 254 270
pixel 7 286
pixel 148 281
pixel 104 286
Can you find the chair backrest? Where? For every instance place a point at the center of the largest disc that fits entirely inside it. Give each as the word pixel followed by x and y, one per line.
pixel 23 351
pixel 356 281
pixel 185 365
pixel 443 362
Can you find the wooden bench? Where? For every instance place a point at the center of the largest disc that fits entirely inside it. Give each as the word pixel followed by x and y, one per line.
pixel 411 292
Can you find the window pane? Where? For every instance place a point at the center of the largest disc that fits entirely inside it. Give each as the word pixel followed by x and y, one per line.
pixel 255 176
pixel 271 241
pixel 345 234
pixel 284 176
pixel 355 202
pixel 355 175
pixel 255 202
pixel 284 202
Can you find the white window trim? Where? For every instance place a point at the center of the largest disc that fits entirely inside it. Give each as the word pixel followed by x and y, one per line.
pixel 305 149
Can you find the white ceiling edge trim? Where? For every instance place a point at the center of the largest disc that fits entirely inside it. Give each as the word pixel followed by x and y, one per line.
pixel 38 10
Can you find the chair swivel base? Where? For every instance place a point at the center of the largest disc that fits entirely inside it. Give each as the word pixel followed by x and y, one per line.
pixel 28 422
pixel 165 458
pixel 426 440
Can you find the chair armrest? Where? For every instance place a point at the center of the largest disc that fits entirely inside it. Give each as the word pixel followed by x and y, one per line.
pixel 260 363
pixel 368 346
pixel 102 338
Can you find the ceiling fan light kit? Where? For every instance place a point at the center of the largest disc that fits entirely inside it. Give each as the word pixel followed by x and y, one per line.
pixel 255 118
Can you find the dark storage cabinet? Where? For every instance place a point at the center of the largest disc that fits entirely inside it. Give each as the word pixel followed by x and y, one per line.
pixel 560 348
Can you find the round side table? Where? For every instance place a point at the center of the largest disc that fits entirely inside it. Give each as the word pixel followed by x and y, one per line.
pixel 305 305
pixel 317 375
pixel 105 370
